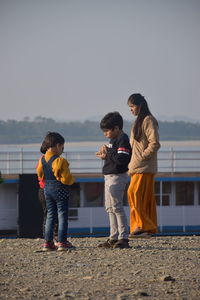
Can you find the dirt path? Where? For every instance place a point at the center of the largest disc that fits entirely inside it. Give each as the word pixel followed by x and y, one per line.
pixel 155 268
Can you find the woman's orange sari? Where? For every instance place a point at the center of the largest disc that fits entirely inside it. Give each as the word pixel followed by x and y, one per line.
pixel 142 203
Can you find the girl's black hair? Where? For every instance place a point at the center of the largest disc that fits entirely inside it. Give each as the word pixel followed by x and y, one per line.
pixel 51 140
pixel 111 120
pixel 139 100
pixel 43 148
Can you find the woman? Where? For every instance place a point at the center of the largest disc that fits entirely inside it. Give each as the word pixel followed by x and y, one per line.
pixel 144 141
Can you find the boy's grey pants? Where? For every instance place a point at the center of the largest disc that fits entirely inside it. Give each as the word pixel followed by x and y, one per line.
pixel 115 185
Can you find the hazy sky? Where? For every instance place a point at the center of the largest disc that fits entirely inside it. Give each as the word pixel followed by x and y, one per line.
pixel 76 59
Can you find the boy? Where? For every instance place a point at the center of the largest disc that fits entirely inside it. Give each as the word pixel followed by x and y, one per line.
pixel 117 156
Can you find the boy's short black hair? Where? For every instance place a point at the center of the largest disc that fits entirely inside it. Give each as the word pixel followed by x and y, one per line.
pixel 52 139
pixel 111 120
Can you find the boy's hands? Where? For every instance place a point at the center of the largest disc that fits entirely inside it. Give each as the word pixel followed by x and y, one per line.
pixel 102 152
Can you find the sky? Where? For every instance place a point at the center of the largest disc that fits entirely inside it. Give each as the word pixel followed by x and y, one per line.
pixel 74 60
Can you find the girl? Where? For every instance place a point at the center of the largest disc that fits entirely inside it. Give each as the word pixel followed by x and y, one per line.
pixel 42 200
pixel 55 171
pixel 144 141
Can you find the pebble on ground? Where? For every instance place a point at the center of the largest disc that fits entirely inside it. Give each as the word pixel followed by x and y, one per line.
pixel 156 268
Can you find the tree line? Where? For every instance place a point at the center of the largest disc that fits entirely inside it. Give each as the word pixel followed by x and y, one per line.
pixel 26 131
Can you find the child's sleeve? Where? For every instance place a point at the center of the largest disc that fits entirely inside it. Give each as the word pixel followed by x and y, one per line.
pixel 62 172
pixel 151 131
pixel 39 169
pixel 120 155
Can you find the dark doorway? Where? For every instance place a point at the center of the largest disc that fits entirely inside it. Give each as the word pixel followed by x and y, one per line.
pixel 29 210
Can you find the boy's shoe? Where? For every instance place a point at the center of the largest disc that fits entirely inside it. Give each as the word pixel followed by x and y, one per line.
pixel 65 246
pixel 139 234
pixel 49 246
pixel 122 244
pixel 108 244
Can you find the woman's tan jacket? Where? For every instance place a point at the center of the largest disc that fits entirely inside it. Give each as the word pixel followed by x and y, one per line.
pixel 144 152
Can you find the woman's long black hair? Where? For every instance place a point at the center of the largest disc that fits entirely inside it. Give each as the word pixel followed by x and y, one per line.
pixel 140 101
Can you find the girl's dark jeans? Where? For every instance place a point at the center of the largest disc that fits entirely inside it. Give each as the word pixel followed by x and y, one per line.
pixel 57 198
pixel 44 208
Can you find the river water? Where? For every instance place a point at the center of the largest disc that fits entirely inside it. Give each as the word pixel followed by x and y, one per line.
pixel 94 146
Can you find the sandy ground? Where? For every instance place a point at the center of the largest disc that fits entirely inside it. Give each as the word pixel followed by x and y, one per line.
pixel 154 268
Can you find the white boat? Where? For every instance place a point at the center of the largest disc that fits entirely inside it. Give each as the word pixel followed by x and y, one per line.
pixel 177 193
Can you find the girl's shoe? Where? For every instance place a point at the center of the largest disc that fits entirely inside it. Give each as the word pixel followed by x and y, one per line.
pixel 48 246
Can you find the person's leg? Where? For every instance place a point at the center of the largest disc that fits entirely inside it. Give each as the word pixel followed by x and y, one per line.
pixel 150 205
pixel 42 201
pixel 117 189
pixel 109 209
pixel 62 207
pixel 113 238
pixel 142 203
pixel 51 215
pixel 132 201
pixel 55 233
pixel 113 226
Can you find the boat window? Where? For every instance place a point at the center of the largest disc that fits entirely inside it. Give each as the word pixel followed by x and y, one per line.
pixel 166 193
pixel 93 194
pixel 165 199
pixel 185 193
pixel 73 214
pixel 75 195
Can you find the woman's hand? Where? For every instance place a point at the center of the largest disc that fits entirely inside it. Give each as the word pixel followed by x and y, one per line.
pixel 130 172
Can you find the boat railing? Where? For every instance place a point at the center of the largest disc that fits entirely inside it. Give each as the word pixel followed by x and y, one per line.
pixel 24 162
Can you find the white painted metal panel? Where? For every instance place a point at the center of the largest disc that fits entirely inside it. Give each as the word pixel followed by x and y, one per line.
pixel 8 206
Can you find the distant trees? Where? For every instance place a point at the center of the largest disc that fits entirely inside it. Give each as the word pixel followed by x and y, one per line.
pixel 179 130
pixel 27 131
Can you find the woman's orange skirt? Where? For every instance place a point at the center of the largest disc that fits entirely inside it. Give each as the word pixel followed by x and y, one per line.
pixel 142 203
